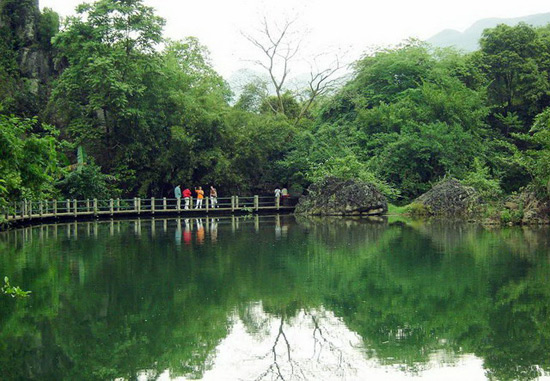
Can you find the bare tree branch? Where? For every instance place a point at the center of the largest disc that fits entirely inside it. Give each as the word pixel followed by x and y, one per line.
pixel 280 48
pixel 278 52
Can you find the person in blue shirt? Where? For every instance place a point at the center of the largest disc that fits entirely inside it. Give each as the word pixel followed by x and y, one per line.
pixel 177 192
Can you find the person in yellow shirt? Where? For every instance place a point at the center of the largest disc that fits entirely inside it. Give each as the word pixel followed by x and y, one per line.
pixel 200 196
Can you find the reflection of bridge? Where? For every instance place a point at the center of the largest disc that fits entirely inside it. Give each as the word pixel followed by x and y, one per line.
pixel 38 211
pixel 147 227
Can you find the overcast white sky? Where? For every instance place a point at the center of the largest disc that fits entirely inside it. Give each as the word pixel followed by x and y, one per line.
pixel 355 24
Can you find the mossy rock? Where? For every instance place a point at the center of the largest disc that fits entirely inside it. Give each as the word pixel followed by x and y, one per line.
pixel 450 198
pixel 336 197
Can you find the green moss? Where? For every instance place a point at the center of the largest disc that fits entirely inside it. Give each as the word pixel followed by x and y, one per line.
pixel 418 209
pixel 397 210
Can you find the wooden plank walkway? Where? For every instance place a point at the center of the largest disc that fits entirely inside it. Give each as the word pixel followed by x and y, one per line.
pixel 37 211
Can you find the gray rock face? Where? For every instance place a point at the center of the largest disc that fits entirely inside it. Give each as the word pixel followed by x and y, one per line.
pixel 449 198
pixel 35 63
pixel 22 18
pixel 337 197
pixel 536 210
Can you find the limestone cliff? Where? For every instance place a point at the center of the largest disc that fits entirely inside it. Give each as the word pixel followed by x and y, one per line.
pixel 26 37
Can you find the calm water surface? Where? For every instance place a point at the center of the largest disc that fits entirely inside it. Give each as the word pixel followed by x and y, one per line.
pixel 267 298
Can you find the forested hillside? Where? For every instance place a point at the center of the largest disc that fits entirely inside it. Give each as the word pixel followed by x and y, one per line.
pixel 145 113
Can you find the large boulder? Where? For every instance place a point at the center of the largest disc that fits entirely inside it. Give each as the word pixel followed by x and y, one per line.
pixel 536 210
pixel 526 208
pixel 449 198
pixel 337 197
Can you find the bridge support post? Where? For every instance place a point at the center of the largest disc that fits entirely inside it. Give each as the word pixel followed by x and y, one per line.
pixel 256 202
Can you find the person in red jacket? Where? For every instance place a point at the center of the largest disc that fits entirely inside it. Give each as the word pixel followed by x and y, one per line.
pixel 186 197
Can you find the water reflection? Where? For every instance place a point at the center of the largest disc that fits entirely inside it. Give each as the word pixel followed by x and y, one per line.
pixel 265 297
pixel 197 227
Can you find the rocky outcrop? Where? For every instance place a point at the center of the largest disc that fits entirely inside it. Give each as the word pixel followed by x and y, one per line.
pixel 337 197
pixel 448 198
pixel 535 209
pixel 20 24
pixel 22 18
pixel 525 208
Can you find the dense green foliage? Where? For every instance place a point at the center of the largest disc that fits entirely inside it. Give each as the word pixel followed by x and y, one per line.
pixel 13 291
pixel 150 117
pixel 28 164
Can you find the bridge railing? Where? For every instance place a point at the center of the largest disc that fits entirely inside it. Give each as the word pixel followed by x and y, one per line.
pixel 28 209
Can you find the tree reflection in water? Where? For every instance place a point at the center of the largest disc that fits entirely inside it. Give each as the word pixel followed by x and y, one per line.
pixel 292 345
pixel 321 298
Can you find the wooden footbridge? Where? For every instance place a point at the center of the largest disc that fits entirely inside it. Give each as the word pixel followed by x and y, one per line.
pixel 36 211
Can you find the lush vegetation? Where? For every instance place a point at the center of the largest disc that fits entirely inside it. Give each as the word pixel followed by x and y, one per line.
pixel 13 291
pixel 151 113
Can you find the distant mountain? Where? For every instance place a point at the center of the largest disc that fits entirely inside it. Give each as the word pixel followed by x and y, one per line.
pixel 469 39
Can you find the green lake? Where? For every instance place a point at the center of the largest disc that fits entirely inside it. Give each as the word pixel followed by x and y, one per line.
pixel 274 297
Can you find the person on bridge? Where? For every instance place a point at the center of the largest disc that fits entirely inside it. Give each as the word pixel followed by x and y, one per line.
pixel 177 192
pixel 284 195
pixel 213 197
pixel 186 197
pixel 200 196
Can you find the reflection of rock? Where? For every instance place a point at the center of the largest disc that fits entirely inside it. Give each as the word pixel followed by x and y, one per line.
pixel 449 197
pixel 333 196
pixel 351 232
pixel 341 221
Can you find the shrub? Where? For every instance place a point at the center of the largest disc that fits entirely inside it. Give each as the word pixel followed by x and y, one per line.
pixel 480 179
pixel 418 209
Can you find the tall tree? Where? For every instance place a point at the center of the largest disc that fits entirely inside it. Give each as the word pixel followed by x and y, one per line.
pixel 280 46
pixel 106 92
pixel 516 62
